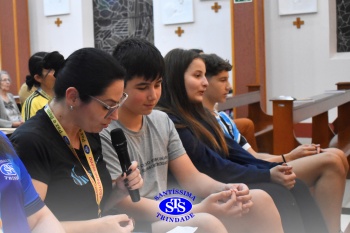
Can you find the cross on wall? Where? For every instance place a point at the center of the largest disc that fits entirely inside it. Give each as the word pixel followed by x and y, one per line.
pixel 58 22
pixel 298 22
pixel 216 7
pixel 179 31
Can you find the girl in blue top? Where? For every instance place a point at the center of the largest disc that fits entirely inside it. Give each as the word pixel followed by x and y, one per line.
pixel 21 209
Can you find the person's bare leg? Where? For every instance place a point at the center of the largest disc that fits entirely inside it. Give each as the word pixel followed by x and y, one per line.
pixel 341 155
pixel 325 172
pixel 263 217
pixel 206 223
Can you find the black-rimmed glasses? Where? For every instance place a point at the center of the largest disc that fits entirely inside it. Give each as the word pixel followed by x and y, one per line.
pixel 111 109
pixel 6 80
pixel 48 71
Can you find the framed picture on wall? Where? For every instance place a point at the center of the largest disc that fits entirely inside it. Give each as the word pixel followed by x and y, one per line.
pixel 175 11
pixel 291 7
pixel 242 1
pixel 56 7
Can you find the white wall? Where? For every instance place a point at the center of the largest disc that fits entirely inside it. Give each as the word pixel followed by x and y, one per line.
pixel 75 32
pixel 303 62
pixel 210 31
pixel 299 62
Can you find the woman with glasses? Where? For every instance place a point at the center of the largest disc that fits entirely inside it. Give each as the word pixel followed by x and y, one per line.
pixel 10 116
pixel 41 68
pixel 61 148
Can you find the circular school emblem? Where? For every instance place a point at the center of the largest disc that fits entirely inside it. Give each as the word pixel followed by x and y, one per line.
pixel 7 169
pixel 175 205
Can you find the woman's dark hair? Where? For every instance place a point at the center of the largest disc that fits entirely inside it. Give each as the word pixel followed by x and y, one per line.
pixel 140 58
pixel 90 71
pixel 215 64
pixel 174 100
pixel 39 61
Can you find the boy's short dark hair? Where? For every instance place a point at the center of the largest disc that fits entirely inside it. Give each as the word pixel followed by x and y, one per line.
pixel 199 51
pixel 140 58
pixel 215 64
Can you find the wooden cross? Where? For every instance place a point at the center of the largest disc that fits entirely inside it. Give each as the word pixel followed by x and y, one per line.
pixel 216 7
pixel 179 31
pixel 298 22
pixel 58 22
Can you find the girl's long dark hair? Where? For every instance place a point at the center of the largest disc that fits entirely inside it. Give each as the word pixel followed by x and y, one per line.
pixel 174 100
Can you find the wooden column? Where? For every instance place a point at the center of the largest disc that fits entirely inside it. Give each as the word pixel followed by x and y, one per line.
pixel 14 40
pixel 248 49
pixel 283 131
pixel 342 121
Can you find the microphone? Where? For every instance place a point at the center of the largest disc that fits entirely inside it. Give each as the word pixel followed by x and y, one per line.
pixel 120 145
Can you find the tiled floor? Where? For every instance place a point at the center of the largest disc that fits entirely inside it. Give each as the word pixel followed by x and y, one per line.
pixel 345 219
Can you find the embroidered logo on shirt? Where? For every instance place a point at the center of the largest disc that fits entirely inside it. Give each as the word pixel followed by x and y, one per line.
pixel 8 171
pixel 79 180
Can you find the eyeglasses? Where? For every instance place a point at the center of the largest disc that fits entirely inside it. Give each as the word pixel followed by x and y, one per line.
pixel 6 80
pixel 49 71
pixel 113 108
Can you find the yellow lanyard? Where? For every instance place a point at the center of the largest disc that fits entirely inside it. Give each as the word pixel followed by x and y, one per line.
pixel 96 183
pixel 43 93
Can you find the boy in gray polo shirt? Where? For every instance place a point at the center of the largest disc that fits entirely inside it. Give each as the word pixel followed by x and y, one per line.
pixel 153 142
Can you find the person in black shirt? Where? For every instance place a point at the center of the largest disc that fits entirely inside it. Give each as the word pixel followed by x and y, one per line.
pixel 61 148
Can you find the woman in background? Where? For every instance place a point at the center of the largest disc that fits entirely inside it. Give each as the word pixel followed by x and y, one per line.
pixel 10 116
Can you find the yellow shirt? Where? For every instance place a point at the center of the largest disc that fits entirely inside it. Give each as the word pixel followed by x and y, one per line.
pixel 36 101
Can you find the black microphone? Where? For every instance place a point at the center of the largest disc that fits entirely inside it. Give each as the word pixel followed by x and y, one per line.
pixel 120 145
